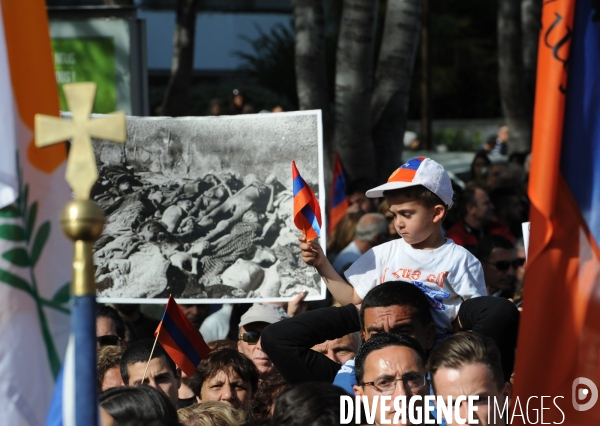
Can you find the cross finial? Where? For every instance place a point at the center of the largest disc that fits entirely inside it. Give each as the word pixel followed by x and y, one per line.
pixel 81 166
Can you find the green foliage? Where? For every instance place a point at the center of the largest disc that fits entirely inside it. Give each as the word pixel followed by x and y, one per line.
pixel 30 219
pixel 12 232
pixel 17 256
pixel 9 212
pixel 21 257
pixel 63 294
pixel 38 243
pixel 23 199
pixel 15 281
pixel 464 63
pixel 267 77
pixel 271 64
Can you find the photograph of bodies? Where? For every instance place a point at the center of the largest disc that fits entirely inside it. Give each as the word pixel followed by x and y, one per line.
pixel 202 209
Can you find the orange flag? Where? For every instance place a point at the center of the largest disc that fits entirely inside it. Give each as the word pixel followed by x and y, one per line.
pixel 558 353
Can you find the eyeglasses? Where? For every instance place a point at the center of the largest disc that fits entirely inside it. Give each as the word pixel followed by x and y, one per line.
pixel 503 265
pixel 250 337
pixel 387 385
pixel 108 340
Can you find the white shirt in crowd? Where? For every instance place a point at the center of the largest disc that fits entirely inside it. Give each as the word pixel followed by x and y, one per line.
pixel 447 275
pixel 216 325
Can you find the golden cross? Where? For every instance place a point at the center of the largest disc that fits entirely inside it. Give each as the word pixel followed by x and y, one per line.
pixel 81 166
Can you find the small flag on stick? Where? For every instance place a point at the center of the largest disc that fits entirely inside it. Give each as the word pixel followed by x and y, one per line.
pixel 307 212
pixel 339 198
pixel 180 339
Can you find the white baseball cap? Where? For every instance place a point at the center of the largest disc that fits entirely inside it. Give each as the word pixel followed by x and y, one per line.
pixel 418 171
pixel 263 313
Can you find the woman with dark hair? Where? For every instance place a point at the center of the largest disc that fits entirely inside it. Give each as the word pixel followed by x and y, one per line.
pixel 226 375
pixel 128 403
pixel 264 400
pixel 480 168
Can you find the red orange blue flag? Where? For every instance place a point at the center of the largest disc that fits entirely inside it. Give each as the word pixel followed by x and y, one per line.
pixel 307 212
pixel 559 338
pixel 339 198
pixel 180 339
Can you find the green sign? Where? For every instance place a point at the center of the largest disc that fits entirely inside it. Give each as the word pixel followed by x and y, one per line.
pixel 87 59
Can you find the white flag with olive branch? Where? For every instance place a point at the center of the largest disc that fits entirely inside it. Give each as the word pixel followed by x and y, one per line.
pixel 35 258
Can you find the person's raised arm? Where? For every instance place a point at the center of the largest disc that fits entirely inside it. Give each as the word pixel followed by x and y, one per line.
pixel 288 342
pixel 313 255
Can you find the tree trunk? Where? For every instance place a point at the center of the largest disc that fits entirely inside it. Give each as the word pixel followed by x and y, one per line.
pixel 310 64
pixel 531 23
pixel 426 136
pixel 175 100
pixel 517 104
pixel 392 82
pixel 354 69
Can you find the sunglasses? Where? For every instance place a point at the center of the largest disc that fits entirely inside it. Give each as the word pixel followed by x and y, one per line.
pixel 108 340
pixel 250 337
pixel 503 265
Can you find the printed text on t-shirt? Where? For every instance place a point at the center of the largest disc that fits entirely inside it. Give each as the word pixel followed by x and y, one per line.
pixel 415 275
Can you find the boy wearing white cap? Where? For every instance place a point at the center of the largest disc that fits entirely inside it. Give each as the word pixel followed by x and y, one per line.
pixel 419 194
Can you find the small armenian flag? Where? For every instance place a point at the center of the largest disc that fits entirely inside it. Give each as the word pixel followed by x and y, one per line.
pixel 307 212
pixel 180 339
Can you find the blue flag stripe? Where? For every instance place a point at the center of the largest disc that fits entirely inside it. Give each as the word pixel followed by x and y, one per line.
pixel 580 154
pixel 299 184
pixel 179 337
pixel 339 192
pixel 308 213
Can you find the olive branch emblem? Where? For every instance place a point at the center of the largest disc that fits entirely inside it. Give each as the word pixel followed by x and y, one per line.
pixel 18 225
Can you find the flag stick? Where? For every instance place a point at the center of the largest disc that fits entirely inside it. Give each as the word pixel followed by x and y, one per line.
pixel 153 346
pixel 150 359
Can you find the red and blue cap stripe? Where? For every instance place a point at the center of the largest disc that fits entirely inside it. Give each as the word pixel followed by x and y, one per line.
pixel 407 171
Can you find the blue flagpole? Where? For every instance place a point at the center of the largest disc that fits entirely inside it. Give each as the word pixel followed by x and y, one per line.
pixel 83 325
pixel 83 221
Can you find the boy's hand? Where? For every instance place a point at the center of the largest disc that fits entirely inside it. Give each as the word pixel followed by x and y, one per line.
pixel 312 254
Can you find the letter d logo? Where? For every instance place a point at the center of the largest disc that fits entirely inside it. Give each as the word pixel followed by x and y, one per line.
pixel 582 387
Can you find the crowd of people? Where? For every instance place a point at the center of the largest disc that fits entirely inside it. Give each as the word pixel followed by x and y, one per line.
pixel 424 278
pixel 239 103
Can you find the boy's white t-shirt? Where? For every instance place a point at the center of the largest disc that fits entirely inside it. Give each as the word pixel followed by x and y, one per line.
pixel 447 275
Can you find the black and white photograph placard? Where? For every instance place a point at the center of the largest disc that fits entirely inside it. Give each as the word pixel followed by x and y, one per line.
pixel 201 208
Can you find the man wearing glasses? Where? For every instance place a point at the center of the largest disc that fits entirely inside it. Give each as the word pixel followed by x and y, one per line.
pixel 499 261
pixel 391 365
pixel 251 326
